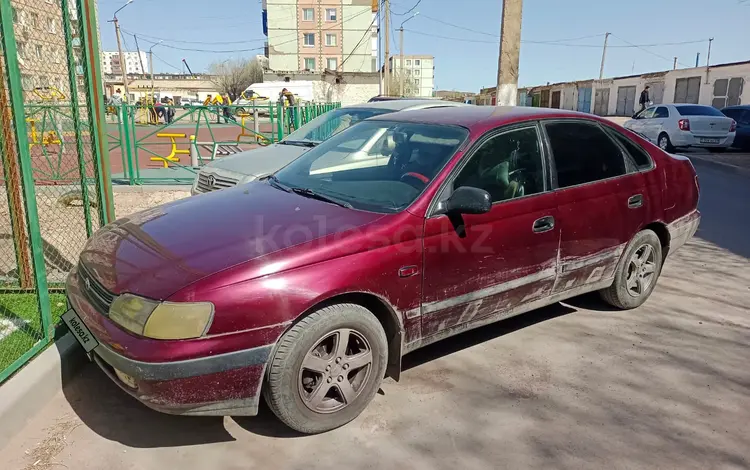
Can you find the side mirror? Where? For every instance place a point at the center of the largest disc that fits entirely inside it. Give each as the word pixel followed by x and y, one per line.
pixel 468 200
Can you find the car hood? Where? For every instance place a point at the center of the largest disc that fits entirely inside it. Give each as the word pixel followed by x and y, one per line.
pixel 159 251
pixel 261 161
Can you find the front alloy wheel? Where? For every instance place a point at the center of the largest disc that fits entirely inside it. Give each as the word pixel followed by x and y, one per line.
pixel 327 368
pixel 335 370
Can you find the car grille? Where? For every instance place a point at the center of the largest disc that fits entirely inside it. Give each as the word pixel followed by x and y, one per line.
pixel 211 182
pixel 97 294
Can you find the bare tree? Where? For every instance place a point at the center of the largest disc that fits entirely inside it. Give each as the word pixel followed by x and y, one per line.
pixel 411 89
pixel 233 76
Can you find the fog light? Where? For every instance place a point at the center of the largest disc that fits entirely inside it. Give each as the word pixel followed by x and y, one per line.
pixel 126 379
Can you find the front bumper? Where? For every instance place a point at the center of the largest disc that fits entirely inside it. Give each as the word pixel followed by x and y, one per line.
pixel 687 139
pixel 221 384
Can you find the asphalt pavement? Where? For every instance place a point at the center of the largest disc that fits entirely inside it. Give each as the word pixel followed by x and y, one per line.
pixel 575 385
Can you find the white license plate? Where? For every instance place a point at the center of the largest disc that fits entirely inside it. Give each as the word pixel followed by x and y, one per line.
pixel 79 330
pixel 710 141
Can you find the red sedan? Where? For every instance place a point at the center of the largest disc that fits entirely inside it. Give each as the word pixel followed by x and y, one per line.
pixel 309 286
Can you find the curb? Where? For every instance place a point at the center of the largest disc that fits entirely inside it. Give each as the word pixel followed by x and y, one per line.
pixel 24 394
pixel 701 160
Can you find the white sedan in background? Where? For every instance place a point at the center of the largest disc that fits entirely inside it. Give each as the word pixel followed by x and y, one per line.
pixel 684 125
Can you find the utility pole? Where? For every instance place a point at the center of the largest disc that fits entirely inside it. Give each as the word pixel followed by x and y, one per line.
pixel 604 56
pixel 123 67
pixel 708 59
pixel 510 51
pixel 151 65
pixel 402 72
pixel 674 66
pixel 140 58
pixel 387 47
pixel 380 43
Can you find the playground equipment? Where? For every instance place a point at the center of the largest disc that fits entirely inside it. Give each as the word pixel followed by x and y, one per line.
pixel 172 157
pixel 260 139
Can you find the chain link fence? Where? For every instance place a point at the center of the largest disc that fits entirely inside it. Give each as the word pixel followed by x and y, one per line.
pixel 50 164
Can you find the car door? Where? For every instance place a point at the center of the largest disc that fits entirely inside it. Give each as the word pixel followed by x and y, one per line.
pixel 480 266
pixel 656 123
pixel 595 191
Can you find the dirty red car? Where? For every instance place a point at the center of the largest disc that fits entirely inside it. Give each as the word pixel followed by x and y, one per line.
pixel 309 287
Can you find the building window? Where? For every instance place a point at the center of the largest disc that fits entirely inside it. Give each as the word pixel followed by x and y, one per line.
pixel 408 63
pixel 21 46
pixel 14 14
pixel 51 25
pixel 416 81
pixel 330 14
pixel 38 50
pixel 330 39
pixel 309 39
pixel 417 62
pixel 34 20
pixel 27 83
pixel 417 72
pixel 309 63
pixel 308 14
pixel 333 63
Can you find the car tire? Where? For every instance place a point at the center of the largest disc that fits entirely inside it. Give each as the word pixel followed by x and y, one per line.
pixel 664 142
pixel 634 280
pixel 304 384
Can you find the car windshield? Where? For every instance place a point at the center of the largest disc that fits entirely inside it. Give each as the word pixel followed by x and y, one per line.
pixel 331 123
pixel 698 111
pixel 378 166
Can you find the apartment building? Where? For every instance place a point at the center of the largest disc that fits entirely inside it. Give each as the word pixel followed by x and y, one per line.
pixel 42 53
pixel 420 69
pixel 316 35
pixel 135 63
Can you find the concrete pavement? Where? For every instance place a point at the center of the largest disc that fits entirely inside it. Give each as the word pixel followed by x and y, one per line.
pixel 575 385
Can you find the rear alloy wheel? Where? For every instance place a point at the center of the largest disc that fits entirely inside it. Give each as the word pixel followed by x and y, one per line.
pixel 664 143
pixel 637 272
pixel 327 368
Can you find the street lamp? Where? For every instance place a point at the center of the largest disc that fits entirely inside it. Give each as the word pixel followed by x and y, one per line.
pixel 401 49
pixel 119 50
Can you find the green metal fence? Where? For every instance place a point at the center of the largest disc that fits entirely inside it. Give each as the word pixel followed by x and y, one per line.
pixel 165 144
pixel 56 183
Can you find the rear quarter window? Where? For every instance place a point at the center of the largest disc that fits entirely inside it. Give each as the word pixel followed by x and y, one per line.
pixel 640 157
pixel 698 111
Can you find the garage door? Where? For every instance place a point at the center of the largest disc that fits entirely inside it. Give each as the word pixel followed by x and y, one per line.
pixel 687 90
pixel 601 101
pixel 555 100
pixel 625 100
pixel 656 92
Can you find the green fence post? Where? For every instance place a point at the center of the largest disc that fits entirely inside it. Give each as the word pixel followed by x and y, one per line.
pixel 97 119
pixel 127 150
pixel 297 116
pixel 10 51
pixel 72 80
pixel 280 120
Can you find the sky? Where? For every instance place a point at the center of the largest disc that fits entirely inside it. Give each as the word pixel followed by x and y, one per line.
pixel 463 35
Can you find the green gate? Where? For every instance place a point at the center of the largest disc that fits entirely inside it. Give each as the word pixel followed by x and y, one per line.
pixel 56 183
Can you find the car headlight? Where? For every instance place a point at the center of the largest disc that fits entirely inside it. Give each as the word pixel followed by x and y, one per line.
pixel 162 320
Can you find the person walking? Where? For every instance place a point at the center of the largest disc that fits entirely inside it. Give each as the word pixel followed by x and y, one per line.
pixel 645 100
pixel 227 112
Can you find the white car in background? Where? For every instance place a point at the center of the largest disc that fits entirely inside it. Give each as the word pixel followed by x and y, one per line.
pixel 684 125
pixel 250 165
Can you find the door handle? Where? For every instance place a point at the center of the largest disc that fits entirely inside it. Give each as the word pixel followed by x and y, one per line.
pixel 635 202
pixel 544 224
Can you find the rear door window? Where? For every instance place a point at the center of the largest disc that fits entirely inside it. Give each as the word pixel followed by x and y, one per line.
pixel 661 112
pixel 583 153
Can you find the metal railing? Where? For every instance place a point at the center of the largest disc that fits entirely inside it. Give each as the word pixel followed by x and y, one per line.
pixel 144 150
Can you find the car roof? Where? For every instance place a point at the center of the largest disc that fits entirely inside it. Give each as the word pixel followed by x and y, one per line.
pixel 400 105
pixel 738 106
pixel 470 116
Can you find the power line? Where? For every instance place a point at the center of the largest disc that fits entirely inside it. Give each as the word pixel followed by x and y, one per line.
pixel 407 11
pixel 649 52
pixel 165 62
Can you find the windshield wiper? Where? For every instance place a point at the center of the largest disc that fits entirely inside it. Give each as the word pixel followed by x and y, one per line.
pixel 321 197
pixel 300 143
pixel 273 181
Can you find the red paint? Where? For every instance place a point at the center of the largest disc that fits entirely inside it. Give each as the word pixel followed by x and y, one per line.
pixel 265 257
